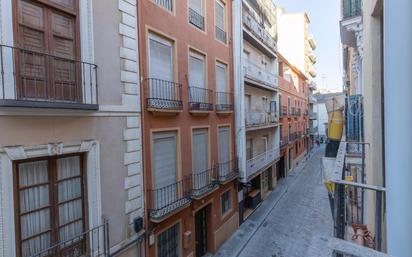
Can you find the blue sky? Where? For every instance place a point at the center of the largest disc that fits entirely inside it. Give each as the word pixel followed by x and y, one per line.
pixel 324 18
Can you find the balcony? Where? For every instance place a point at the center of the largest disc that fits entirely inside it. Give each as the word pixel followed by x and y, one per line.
pixel 196 19
pixel 260 120
pixel 312 86
pixel 313 131
pixel 284 141
pixel 312 58
pixel 260 162
pixel 224 103
pixel 164 201
pixel 163 96
pixel 351 20
pixel 292 137
pixel 34 79
pixel 313 116
pixel 298 112
pixel 298 135
pixel 93 242
pixel 200 100
pixel 352 8
pixel 312 71
pixel 258 75
pixel 221 35
pixel 227 171
pixel 306 113
pixel 312 99
pixel 204 182
pixel 312 41
pixel 257 34
pixel 284 111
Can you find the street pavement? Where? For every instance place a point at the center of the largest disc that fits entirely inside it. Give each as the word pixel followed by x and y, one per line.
pixel 291 222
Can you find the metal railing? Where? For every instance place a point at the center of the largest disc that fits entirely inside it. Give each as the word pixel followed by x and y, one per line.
pixel 292 137
pixel 257 29
pixel 224 102
pixel 163 94
pixel 254 119
pixel 200 99
pixel 163 201
pixel 221 34
pixel 34 78
pixel 298 135
pixel 306 113
pixel 168 4
pixel 91 243
pixel 284 111
pixel 284 141
pixel 259 74
pixel 261 161
pixel 352 8
pixel 204 182
pixel 298 112
pixel 196 19
pixel 227 170
pixel 313 115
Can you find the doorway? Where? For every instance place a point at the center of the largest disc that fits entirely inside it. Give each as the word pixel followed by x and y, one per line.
pixel 280 168
pixel 201 232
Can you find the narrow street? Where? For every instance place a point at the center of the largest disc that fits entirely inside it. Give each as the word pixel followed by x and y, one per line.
pixel 291 222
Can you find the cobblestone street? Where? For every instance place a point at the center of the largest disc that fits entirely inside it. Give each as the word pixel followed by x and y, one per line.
pixel 291 221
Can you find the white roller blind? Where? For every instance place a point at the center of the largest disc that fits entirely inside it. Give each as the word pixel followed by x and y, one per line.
pixel 220 15
pixel 160 58
pixel 196 5
pixel 200 150
pixel 164 159
pixel 224 144
pixel 197 71
pixel 221 77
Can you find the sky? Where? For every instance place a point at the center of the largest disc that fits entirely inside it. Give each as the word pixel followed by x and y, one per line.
pixel 324 18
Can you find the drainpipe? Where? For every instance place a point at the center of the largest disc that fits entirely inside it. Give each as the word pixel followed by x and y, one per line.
pixel 398 125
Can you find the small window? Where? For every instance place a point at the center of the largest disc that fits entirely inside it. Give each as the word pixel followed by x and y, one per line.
pixel 168 242
pixel 167 4
pixel 226 202
pixel 220 19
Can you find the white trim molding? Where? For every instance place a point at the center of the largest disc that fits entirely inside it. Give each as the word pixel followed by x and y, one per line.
pixel 9 154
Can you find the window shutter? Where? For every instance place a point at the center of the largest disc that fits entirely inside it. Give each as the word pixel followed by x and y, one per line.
pixel 221 78
pixel 224 147
pixel 164 159
pixel 196 5
pixel 200 150
pixel 160 63
pixel 220 15
pixel 197 71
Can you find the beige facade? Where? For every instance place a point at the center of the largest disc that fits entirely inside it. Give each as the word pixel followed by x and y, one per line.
pixel 102 127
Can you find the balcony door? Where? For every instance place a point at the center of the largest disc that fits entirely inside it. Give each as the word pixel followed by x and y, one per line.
pixel 221 84
pixel 197 78
pixel 164 163
pixel 200 158
pixel 161 68
pixel 224 150
pixel 47 37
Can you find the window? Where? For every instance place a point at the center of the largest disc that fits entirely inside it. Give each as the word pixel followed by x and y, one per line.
pixel 226 202
pixel 200 157
pixel 44 30
pixel 220 19
pixel 160 58
pixel 249 149
pixel 168 242
pixel 196 70
pixel 50 204
pixel 221 77
pixel 167 4
pixel 224 149
pixel 196 16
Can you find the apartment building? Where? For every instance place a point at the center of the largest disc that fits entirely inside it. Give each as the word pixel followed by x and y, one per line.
pixel 190 164
pixel 294 117
pixel 70 151
pixel 257 118
pixel 312 114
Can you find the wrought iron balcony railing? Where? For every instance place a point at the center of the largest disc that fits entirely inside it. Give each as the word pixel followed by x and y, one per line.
pixel 224 102
pixel 165 200
pixel 200 99
pixel 298 112
pixel 93 242
pixel 292 137
pixel 221 34
pixel 261 119
pixel 259 74
pixel 196 19
pixel 284 141
pixel 299 135
pixel 313 115
pixel 31 78
pixel 228 171
pixel 284 111
pixel 261 161
pixel 163 95
pixel 204 182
